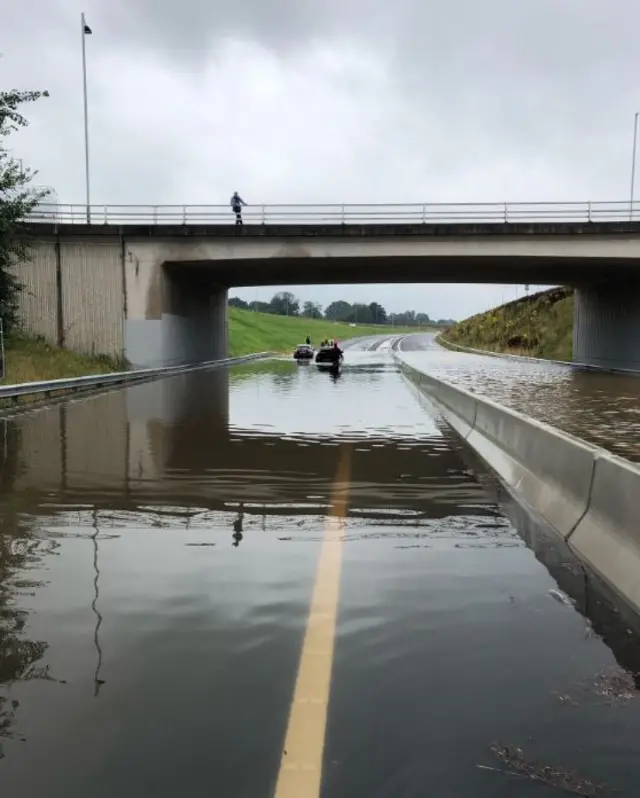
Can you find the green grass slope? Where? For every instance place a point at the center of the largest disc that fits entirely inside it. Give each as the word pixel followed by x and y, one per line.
pixel 32 359
pixel 262 332
pixel 539 325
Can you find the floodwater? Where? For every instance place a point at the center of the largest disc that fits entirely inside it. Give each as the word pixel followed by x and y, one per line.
pixel 269 582
pixel 601 408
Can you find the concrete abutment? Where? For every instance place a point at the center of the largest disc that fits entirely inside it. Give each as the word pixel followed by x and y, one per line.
pixel 110 296
pixel 606 326
pixel 176 315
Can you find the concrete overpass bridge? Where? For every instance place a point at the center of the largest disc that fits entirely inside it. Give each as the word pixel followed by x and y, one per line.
pixel 151 283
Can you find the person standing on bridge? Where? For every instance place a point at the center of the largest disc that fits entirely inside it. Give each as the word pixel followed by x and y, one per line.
pixel 236 206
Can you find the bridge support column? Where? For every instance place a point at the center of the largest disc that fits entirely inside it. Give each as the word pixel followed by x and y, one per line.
pixel 606 326
pixel 176 316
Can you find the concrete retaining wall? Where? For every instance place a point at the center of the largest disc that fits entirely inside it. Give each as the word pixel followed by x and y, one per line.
pixel 73 296
pixel 92 294
pixel 38 301
pixel 589 496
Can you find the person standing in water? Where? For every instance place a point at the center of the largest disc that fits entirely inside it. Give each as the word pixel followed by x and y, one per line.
pixel 236 206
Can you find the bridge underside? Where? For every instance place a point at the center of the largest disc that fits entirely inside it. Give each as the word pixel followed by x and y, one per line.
pixel 506 270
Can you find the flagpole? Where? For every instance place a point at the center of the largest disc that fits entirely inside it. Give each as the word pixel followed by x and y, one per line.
pixel 83 31
pixel 633 163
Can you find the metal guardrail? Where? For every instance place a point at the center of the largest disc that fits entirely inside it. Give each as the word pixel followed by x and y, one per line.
pixel 426 213
pixel 48 387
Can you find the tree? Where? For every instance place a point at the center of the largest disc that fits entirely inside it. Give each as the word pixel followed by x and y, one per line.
pixel 17 200
pixel 285 304
pixel 378 313
pixel 338 311
pixel 311 310
pixel 236 302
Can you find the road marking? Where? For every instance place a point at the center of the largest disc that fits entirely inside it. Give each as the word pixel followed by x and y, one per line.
pixel 301 765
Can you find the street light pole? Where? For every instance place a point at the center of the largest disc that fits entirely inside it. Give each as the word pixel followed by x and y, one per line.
pixel 633 163
pixel 84 30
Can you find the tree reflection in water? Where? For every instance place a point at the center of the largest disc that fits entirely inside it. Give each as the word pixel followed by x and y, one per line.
pixel 20 552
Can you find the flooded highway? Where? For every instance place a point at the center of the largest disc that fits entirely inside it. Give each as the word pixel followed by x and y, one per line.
pixel 601 408
pixel 269 582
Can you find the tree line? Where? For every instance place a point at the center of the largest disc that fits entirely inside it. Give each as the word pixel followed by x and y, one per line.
pixel 285 303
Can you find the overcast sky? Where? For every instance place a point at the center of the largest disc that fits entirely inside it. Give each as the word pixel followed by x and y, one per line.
pixel 332 101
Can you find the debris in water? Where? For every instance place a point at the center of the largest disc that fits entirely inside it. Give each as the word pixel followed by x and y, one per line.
pixel 513 758
pixel 615 684
pixel 565 699
pixel 560 597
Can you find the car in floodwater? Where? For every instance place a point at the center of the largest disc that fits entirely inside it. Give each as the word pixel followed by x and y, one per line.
pixel 303 352
pixel 326 358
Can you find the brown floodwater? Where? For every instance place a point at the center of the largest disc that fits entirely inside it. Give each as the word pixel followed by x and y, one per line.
pixel 159 550
pixel 601 408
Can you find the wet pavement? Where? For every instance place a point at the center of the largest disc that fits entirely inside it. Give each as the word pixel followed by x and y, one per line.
pixel 271 582
pixel 601 408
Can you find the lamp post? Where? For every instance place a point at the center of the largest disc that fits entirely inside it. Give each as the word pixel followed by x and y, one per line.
pixel 84 31
pixel 633 163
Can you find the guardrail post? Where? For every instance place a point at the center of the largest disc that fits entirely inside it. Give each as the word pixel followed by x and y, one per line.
pixel 264 220
pixel 155 214
pixel 106 215
pixel 589 211
pixel 342 209
pixel 184 214
pixel 506 212
pixel 424 214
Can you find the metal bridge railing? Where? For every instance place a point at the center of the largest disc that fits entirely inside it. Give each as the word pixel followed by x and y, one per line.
pixel 427 213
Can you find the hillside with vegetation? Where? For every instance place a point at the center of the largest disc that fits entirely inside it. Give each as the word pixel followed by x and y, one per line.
pixel 250 331
pixel 537 325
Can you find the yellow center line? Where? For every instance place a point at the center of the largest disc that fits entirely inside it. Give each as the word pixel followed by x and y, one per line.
pixel 301 766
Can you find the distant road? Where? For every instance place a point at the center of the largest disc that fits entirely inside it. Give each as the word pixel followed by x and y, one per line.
pixel 380 343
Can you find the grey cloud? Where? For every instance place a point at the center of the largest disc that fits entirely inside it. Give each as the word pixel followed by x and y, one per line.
pixel 335 101
pixel 190 30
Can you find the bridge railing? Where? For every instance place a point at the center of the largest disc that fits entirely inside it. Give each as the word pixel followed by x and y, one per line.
pixel 399 213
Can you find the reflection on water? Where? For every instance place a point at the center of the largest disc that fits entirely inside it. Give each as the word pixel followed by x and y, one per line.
pixel 157 557
pixel 603 409
pixel 94 604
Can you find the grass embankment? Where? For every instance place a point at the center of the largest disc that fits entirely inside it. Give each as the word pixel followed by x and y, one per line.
pixel 265 332
pixel 31 359
pixel 539 325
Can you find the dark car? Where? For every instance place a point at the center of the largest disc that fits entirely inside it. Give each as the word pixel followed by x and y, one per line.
pixel 303 352
pixel 328 357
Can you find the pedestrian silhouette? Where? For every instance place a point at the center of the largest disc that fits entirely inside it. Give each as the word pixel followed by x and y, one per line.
pixel 236 206
pixel 237 527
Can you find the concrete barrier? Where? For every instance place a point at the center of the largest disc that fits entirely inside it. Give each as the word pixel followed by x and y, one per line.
pixel 608 536
pixel 548 470
pixel 589 496
pixel 461 404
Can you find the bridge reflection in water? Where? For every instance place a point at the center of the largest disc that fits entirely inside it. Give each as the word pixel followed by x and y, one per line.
pixel 169 444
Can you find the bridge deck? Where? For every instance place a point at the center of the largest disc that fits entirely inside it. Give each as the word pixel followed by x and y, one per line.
pixel 444 230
